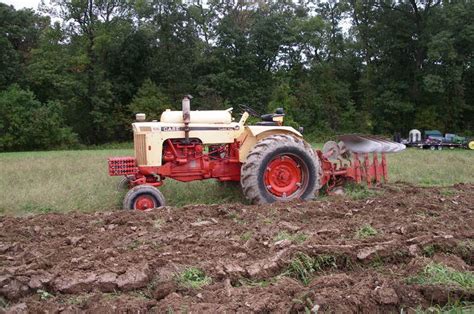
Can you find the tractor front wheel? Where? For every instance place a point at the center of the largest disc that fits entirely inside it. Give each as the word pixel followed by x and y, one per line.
pixel 144 198
pixel 280 168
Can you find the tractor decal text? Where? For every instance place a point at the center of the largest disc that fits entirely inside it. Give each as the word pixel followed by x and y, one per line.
pixel 199 128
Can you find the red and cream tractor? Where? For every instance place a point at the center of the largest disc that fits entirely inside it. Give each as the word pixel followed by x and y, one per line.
pixel 272 162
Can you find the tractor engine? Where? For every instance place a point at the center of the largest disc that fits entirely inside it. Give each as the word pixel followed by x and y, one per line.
pixel 188 159
pixel 182 152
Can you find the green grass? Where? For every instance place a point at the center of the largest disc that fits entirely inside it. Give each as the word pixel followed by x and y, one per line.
pixel 192 278
pixel 297 237
pixel 429 250
pixel 458 307
pixel 432 168
pixel 262 283
pixel 366 231
pixel 44 295
pixel 4 304
pixel 359 191
pixel 439 274
pixel 42 182
pixel 304 267
pixel 246 236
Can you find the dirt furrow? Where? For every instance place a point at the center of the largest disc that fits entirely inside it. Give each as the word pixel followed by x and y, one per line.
pixel 332 254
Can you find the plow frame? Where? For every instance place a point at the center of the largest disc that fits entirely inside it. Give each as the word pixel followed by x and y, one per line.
pixel 361 168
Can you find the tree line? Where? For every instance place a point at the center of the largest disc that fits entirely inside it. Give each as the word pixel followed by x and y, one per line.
pixel 75 72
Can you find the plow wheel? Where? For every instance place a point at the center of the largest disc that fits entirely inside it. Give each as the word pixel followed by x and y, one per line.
pixel 279 168
pixel 144 198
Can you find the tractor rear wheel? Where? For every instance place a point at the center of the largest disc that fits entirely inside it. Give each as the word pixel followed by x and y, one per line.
pixel 143 197
pixel 280 168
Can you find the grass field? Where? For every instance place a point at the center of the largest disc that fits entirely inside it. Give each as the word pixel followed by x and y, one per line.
pixel 38 182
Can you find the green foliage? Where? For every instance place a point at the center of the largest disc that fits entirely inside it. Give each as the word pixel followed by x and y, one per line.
pixel 193 278
pixel 457 307
pixel 25 123
pixel 296 237
pixel 303 267
pixel 391 68
pixel 359 191
pixel 44 295
pixel 366 231
pixel 20 32
pixel 3 304
pixel 429 250
pixel 428 119
pixel 246 236
pixel 282 98
pixel 396 68
pixel 150 100
pixel 439 274
pixel 256 283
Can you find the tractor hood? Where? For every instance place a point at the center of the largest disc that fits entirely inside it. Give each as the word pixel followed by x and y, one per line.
pixel 197 116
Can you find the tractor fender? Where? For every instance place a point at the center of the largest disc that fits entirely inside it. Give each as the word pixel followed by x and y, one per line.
pixel 254 133
pixel 261 131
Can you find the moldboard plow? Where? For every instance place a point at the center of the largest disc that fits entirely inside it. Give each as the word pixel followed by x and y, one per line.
pixel 355 158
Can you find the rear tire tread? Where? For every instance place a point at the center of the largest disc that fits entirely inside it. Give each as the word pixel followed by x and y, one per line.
pixel 249 174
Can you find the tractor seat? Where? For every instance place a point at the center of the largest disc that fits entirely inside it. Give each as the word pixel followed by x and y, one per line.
pixel 268 119
pixel 266 123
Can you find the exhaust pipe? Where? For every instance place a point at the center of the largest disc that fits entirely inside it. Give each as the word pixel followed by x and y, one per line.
pixel 186 107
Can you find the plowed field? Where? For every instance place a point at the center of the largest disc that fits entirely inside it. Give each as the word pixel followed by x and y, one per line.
pixel 335 254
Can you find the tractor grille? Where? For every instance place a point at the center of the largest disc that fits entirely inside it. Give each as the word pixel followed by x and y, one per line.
pixel 140 149
pixel 122 166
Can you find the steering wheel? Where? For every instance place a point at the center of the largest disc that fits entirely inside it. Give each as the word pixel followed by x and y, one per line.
pixel 249 110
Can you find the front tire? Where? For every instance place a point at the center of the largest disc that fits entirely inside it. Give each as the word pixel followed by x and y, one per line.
pixel 144 198
pixel 280 168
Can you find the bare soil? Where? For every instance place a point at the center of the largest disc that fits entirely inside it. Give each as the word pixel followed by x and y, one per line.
pixel 128 261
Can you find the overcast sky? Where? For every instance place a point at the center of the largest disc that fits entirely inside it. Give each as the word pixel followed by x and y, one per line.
pixel 20 4
pixel 33 4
